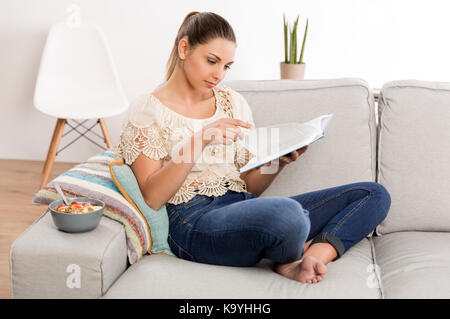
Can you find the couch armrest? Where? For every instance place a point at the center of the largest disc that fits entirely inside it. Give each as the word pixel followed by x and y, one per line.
pixel 48 263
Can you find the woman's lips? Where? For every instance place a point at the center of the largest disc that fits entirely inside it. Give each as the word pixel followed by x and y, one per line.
pixel 209 84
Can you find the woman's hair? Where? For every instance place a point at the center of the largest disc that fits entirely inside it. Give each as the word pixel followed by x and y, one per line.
pixel 200 28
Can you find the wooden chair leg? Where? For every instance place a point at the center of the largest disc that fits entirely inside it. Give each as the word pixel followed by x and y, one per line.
pixel 50 149
pixel 105 132
pixel 54 144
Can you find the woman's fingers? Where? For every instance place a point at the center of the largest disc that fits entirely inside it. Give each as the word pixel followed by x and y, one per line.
pixel 294 155
pixel 291 157
pixel 303 149
pixel 285 160
pixel 243 124
pixel 233 133
pixel 237 122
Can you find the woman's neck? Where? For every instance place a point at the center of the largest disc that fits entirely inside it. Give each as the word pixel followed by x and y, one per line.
pixel 183 91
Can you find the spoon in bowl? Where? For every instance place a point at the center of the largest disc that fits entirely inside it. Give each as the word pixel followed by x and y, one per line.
pixel 58 189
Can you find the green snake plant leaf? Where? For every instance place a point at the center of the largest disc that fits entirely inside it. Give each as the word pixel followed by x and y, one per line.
pixel 303 44
pixel 285 28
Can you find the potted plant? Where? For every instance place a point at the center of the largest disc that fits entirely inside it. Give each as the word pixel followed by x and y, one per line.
pixel 292 68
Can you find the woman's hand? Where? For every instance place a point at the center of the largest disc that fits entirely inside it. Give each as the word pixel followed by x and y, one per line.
pixel 224 130
pixel 291 157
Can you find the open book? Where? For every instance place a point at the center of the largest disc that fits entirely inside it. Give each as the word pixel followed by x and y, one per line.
pixel 271 142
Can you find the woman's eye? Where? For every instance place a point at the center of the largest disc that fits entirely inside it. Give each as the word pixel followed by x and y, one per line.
pixel 214 62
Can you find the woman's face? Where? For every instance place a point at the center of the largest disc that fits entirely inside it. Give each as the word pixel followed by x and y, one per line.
pixel 207 63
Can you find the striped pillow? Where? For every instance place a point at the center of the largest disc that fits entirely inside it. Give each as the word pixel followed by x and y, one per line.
pixel 92 178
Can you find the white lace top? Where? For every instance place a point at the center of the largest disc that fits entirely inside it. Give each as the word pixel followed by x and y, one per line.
pixel 153 129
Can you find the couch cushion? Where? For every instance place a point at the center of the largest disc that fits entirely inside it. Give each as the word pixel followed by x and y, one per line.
pixel 44 261
pixel 159 276
pixel 414 148
pixel 345 155
pixel 414 264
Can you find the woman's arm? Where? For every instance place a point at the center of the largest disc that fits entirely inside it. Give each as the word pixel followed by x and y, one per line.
pixel 257 182
pixel 158 183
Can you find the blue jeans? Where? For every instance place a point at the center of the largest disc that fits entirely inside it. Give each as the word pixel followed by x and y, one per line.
pixel 239 229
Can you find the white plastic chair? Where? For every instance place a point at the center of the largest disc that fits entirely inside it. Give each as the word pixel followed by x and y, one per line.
pixel 77 80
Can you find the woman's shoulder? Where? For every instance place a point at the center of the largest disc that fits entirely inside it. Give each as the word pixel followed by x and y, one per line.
pixel 141 131
pixel 143 102
pixel 143 110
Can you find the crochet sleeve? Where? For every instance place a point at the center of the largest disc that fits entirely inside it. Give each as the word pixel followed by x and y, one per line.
pixel 141 133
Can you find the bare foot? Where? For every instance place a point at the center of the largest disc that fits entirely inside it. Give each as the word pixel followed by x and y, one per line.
pixel 312 270
pixel 308 270
pixel 306 246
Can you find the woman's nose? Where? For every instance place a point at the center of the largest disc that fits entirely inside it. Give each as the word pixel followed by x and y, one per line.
pixel 218 75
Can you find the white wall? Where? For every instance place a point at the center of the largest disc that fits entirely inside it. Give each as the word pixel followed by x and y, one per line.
pixel 378 41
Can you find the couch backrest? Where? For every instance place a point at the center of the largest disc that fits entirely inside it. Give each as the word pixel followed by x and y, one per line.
pixel 414 155
pixel 347 152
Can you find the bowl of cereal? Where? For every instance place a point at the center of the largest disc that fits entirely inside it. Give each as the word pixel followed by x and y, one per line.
pixel 81 215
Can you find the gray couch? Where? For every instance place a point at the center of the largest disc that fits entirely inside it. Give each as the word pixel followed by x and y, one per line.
pixel 402 144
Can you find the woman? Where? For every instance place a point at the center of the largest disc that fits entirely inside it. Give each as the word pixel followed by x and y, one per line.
pixel 180 142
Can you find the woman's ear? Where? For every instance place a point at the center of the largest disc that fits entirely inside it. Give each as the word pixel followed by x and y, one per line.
pixel 183 48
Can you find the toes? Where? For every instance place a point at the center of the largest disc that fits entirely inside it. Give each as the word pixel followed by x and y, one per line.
pixel 314 280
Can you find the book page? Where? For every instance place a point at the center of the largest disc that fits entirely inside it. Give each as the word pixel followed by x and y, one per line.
pixel 296 133
pixel 271 142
